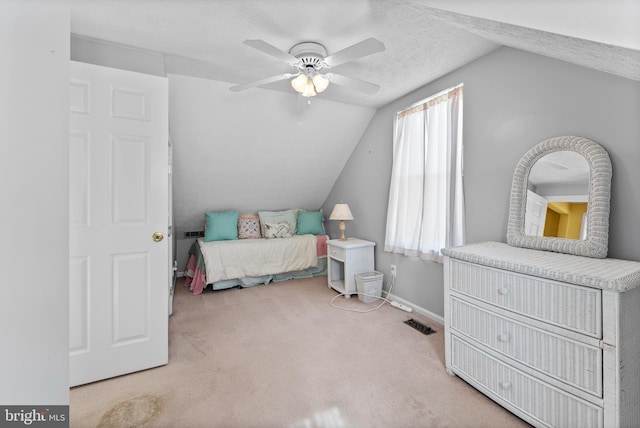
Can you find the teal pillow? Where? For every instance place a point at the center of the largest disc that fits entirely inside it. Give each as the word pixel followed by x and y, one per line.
pixel 221 226
pixel 310 222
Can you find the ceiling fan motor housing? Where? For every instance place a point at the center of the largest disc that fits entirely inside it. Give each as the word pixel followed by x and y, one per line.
pixel 309 54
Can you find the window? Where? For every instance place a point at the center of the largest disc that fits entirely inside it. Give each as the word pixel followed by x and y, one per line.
pixel 426 200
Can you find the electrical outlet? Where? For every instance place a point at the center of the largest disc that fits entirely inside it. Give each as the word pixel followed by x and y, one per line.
pixel 393 270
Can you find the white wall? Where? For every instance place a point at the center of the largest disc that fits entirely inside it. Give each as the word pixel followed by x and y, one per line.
pixel 34 132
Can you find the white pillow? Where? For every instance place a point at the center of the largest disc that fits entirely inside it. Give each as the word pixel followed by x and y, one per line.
pixel 277 230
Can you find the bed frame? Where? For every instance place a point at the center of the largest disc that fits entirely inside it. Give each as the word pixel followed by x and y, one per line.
pixel 198 279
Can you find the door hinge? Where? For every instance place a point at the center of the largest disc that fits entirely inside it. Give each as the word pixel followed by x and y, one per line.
pixel 169 231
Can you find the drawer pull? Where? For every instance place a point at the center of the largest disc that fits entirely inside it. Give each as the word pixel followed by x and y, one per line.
pixel 504 337
pixel 505 385
pixel 503 291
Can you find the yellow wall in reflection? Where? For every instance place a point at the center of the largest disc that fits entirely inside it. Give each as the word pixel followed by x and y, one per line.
pixel 564 219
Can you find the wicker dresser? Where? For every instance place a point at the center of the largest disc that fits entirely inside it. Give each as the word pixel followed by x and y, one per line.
pixel 554 338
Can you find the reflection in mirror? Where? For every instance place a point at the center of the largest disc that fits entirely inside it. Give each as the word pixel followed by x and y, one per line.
pixel 593 238
pixel 557 196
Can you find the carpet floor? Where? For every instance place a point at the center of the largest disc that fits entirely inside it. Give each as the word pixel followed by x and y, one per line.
pixel 281 356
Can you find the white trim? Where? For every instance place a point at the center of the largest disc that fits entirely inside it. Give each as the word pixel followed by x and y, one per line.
pixel 417 309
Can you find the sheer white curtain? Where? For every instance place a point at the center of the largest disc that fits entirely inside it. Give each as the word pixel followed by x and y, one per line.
pixel 426 200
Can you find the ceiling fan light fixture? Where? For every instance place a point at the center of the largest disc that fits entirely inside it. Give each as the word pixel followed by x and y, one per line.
pixel 320 82
pixel 299 83
pixel 309 90
pixel 310 83
pixel 307 60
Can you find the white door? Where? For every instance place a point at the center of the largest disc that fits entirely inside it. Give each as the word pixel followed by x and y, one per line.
pixel 535 214
pixel 118 203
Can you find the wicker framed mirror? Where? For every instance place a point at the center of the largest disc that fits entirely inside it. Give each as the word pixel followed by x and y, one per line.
pixel 591 236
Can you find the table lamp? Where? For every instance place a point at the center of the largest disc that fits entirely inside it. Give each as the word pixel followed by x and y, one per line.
pixel 341 212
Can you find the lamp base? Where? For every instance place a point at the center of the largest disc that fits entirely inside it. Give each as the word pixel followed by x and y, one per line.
pixel 342 229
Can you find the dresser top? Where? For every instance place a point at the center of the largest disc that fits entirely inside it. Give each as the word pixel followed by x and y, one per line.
pixel 608 274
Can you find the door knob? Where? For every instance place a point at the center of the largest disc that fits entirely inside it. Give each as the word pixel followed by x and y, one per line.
pixel 157 237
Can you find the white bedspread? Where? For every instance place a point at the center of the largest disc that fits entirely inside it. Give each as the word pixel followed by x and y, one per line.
pixel 256 257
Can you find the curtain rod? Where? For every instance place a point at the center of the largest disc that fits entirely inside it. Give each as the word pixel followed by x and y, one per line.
pixel 431 101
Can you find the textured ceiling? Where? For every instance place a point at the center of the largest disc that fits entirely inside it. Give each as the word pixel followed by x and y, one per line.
pixel 204 39
pixel 560 167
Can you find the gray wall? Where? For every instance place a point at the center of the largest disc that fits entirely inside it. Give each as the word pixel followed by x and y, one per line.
pixel 253 150
pixel 34 177
pixel 512 101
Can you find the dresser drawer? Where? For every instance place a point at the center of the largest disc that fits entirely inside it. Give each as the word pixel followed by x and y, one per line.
pixel 569 306
pixel 337 253
pixel 531 346
pixel 543 404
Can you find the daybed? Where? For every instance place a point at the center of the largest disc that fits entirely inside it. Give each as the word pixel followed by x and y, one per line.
pixel 250 250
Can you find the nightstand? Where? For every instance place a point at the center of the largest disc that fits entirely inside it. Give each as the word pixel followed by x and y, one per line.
pixel 345 260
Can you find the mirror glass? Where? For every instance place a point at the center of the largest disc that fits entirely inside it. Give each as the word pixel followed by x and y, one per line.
pixel 558 196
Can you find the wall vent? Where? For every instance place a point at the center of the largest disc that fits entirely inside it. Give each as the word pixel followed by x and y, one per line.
pixel 194 234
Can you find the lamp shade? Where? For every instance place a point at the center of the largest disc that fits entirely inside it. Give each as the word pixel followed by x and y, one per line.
pixel 320 82
pixel 341 212
pixel 309 90
pixel 309 83
pixel 299 83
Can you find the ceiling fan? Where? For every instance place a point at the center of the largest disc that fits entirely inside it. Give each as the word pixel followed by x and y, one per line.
pixel 309 60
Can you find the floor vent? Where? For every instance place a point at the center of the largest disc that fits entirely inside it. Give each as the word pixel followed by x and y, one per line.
pixel 424 329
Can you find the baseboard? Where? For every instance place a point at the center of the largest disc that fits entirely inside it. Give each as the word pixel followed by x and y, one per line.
pixel 417 309
pixel 179 274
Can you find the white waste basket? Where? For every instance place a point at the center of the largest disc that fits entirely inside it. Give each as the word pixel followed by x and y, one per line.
pixel 369 283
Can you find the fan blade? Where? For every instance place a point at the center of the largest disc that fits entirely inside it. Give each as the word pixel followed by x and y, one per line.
pixel 267 48
pixel 261 82
pixel 350 82
pixel 364 48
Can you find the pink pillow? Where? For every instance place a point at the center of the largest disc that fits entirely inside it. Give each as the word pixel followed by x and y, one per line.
pixel 248 227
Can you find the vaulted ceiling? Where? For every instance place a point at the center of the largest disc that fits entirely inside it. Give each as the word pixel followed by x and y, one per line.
pixel 424 39
pixel 297 154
